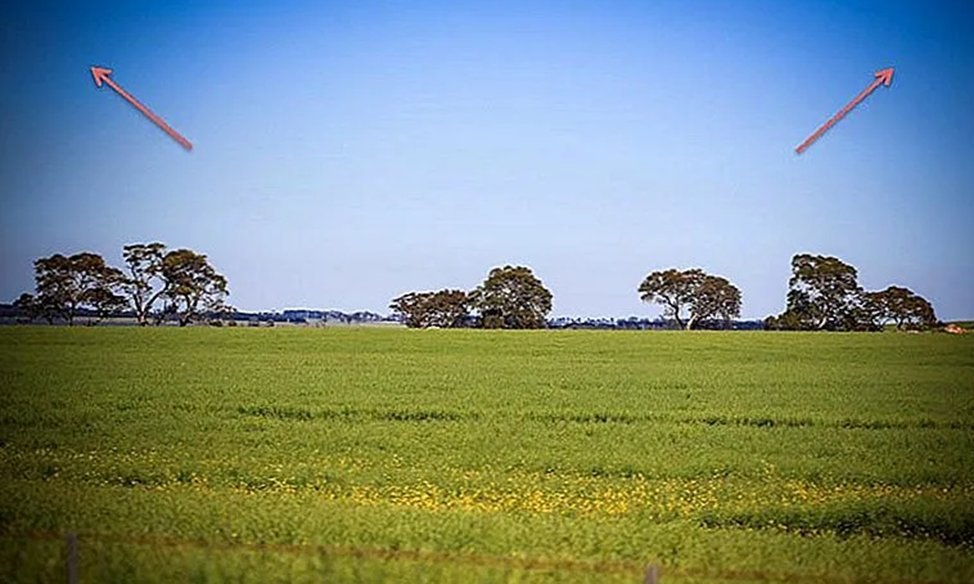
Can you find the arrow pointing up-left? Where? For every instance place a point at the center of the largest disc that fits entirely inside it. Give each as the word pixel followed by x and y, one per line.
pixel 101 76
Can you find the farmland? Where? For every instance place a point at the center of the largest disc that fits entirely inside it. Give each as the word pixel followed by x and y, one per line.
pixel 364 454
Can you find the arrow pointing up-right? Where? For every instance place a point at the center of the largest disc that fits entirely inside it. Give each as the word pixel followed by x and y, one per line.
pixel 882 77
pixel 885 76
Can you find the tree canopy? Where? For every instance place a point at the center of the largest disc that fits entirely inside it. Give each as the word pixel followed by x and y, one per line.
pixel 66 284
pixel 192 286
pixel 143 284
pixel 512 297
pixel 901 307
pixel 84 283
pixel 702 296
pixel 443 309
pixel 824 294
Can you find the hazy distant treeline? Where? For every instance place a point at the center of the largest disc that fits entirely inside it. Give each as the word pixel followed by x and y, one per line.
pixel 157 285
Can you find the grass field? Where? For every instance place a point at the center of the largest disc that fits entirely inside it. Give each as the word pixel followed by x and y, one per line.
pixel 362 454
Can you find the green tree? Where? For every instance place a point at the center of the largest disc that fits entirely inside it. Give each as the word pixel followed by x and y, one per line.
pixel 31 308
pixel 823 294
pixel 143 284
pixel 901 307
pixel 443 309
pixel 66 284
pixel 702 296
pixel 512 297
pixel 192 287
pixel 105 302
pixel 56 288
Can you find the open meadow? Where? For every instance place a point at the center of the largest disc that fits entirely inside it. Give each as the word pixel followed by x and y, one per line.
pixel 370 454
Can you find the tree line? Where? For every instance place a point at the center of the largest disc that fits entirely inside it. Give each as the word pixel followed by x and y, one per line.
pixel 156 284
pixel 510 297
pixel 823 295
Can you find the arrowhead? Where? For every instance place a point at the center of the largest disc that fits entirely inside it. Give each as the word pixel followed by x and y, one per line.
pixel 885 76
pixel 100 75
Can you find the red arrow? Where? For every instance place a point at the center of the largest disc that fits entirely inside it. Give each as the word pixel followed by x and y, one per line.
pixel 101 75
pixel 883 77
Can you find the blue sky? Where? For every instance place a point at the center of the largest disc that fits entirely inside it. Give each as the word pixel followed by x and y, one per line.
pixel 348 152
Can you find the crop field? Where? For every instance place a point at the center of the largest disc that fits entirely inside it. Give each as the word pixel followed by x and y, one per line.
pixel 368 454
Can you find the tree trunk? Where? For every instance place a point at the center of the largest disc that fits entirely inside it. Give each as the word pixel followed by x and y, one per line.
pixel 185 317
pixel 675 307
pixel 143 316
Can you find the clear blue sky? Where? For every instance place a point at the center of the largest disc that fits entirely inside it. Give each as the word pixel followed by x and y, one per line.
pixel 348 152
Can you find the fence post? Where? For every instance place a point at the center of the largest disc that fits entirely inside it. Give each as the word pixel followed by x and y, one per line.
pixel 652 575
pixel 72 541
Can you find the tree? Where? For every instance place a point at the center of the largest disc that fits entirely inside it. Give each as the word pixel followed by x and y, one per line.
pixel 902 307
pixel 55 288
pixel 786 321
pixel 192 287
pixel 27 304
pixel 823 294
pixel 512 297
pixel 672 289
pixel 412 309
pixel 105 302
pixel 703 296
pixel 144 284
pixel 66 284
pixel 97 283
pixel 715 298
pixel 444 309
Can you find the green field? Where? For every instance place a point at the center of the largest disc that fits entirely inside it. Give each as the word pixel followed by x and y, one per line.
pixel 364 454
